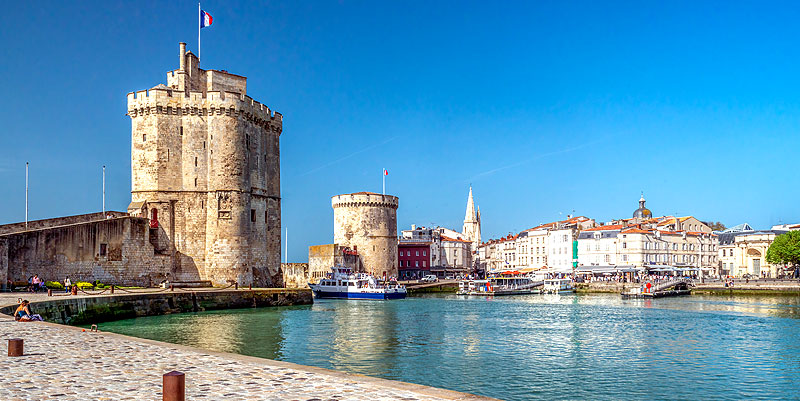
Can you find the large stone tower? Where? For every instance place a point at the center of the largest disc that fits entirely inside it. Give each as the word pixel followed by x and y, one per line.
pixel 205 161
pixel 367 222
pixel 472 222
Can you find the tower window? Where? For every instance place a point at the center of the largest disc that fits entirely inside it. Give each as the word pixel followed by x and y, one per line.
pixel 144 137
pixel 103 249
pixel 195 182
pixel 204 144
pixel 202 204
pixel 266 217
pixel 167 154
pixel 181 131
pixel 253 215
pixel 195 161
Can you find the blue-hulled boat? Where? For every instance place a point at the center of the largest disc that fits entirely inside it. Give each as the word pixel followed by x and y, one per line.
pixel 342 283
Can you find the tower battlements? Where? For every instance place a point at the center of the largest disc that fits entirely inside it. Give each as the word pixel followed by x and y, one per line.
pixel 362 199
pixel 175 102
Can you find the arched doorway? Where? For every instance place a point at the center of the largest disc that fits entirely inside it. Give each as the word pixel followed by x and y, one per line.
pixel 755 255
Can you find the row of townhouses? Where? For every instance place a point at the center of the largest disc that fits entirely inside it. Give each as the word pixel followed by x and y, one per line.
pixel 643 242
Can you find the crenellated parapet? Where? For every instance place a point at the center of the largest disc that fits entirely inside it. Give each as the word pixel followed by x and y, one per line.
pixel 213 103
pixel 364 199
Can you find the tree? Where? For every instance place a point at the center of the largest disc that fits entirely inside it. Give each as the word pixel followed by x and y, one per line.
pixel 785 250
pixel 715 226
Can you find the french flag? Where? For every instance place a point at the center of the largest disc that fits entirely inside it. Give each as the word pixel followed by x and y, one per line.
pixel 205 19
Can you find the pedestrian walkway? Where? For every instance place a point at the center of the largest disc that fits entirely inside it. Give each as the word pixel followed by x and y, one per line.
pixel 66 363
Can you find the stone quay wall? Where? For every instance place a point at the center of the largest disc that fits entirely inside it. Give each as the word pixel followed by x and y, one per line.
pixel 367 223
pixel 98 309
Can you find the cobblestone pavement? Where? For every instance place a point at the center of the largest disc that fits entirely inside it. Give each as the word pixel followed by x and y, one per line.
pixel 66 363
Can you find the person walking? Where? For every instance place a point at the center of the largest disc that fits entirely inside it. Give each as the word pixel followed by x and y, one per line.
pixel 67 284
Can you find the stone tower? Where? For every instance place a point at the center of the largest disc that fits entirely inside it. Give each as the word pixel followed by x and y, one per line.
pixel 472 222
pixel 205 161
pixel 367 222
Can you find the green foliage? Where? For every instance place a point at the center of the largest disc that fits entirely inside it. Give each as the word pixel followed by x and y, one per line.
pixel 717 226
pixel 84 285
pixel 101 286
pixel 785 249
pixel 54 285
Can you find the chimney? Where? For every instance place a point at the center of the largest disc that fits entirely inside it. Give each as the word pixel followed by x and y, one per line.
pixel 183 55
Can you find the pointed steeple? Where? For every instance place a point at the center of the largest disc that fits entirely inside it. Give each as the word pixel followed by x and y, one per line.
pixel 470 215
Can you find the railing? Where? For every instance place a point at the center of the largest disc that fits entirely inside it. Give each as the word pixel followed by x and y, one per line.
pixel 671 283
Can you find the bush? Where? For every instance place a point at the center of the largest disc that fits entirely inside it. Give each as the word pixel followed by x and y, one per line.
pixel 54 285
pixel 84 285
pixel 101 286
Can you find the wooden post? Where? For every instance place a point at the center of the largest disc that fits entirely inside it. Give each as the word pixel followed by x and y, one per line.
pixel 112 288
pixel 236 285
pixel 15 347
pixel 174 386
pixel 251 286
pixel 49 292
pixel 172 288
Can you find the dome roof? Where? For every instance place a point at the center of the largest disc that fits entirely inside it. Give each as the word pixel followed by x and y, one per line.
pixel 642 212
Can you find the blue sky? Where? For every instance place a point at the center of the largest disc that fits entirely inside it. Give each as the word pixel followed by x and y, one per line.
pixel 544 107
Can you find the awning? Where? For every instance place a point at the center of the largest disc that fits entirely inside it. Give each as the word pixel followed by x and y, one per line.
pixel 136 205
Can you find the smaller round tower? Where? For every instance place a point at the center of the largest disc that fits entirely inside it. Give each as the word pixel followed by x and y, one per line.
pixel 367 222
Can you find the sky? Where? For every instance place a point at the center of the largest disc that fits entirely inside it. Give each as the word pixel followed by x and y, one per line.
pixel 545 108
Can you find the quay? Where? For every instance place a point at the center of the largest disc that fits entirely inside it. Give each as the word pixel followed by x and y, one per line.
pixel 70 363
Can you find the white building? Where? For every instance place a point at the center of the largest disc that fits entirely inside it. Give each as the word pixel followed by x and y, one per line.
pixel 743 251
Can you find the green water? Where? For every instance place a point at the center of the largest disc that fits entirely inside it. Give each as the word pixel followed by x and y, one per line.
pixel 523 347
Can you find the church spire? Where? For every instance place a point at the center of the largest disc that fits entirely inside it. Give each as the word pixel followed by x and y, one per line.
pixel 470 215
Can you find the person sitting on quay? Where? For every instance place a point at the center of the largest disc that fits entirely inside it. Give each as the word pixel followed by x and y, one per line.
pixel 23 313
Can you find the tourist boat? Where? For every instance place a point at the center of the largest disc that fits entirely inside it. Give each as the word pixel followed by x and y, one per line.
pixel 343 283
pixel 557 286
pixel 502 285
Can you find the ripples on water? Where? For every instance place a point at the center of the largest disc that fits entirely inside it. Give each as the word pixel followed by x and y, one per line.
pixel 525 347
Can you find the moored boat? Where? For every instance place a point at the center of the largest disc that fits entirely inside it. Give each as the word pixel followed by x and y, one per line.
pixel 557 286
pixel 495 286
pixel 343 283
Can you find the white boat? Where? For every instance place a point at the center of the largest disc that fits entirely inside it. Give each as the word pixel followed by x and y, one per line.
pixel 558 285
pixel 343 283
pixel 502 285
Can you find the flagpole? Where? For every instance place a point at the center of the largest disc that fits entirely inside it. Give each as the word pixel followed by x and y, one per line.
pixel 104 191
pixel 286 257
pixel 26 195
pixel 199 15
pixel 383 175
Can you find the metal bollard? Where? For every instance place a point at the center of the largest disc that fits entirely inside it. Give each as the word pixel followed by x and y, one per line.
pixel 112 288
pixel 251 286
pixel 174 386
pixel 236 285
pixel 15 346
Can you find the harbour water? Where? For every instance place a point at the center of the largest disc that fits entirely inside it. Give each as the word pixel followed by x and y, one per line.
pixel 523 347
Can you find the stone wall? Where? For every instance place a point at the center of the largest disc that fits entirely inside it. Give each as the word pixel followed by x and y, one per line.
pixel 91 310
pixel 322 257
pixel 295 275
pixel 207 158
pixel 58 221
pixel 367 222
pixel 113 251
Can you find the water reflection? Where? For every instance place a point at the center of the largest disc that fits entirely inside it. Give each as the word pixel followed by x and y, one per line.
pixel 553 347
